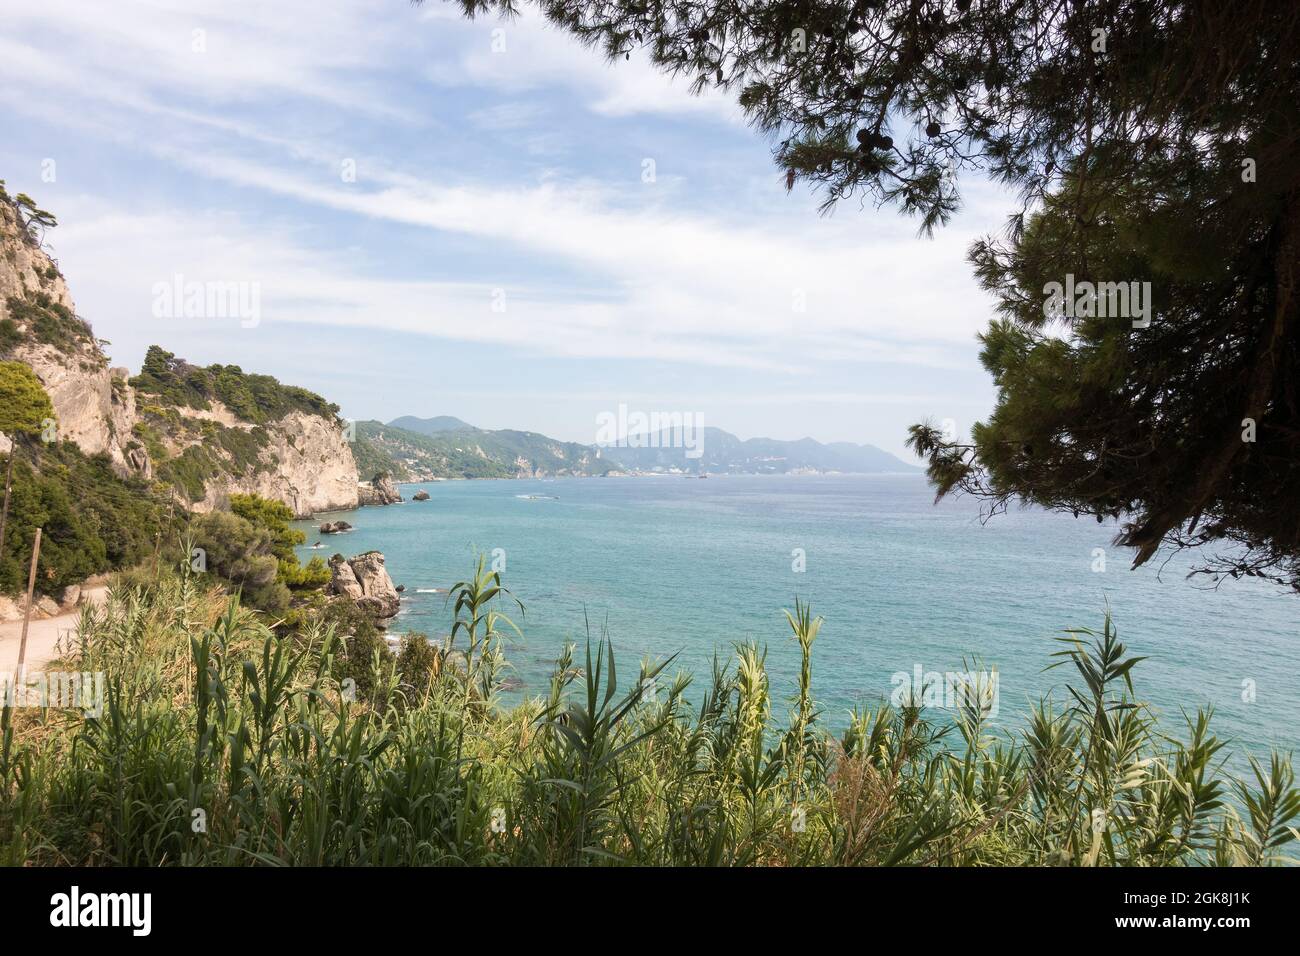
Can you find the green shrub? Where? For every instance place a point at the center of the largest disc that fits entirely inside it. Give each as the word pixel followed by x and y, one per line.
pixel 91 519
pixel 362 643
pixel 50 322
pixel 24 405
pixel 241 555
pixel 418 663
pixel 274 516
pixel 10 337
pixel 310 577
pixel 190 471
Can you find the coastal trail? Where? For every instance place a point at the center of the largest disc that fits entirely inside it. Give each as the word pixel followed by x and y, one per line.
pixel 43 637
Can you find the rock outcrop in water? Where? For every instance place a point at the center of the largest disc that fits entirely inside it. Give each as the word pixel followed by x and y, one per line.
pixel 335 527
pixel 379 490
pixel 420 495
pixel 365 580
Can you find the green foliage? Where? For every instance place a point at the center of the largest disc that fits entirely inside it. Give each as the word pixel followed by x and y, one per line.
pixel 210 450
pixel 243 447
pixel 309 577
pixel 1170 427
pixel 254 398
pixel 322 748
pixel 418 665
pixel 24 406
pixel 33 219
pixel 190 471
pixel 10 337
pixel 274 516
pixel 363 653
pixel 92 521
pixel 241 554
pixel 151 440
pixel 48 322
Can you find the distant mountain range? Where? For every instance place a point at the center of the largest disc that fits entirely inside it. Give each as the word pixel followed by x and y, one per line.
pixel 431 426
pixel 420 449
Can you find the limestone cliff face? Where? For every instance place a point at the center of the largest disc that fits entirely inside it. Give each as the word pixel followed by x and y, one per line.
pixel 308 465
pixel 91 408
pixel 204 454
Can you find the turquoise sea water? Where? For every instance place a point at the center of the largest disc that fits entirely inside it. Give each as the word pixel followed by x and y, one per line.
pixel 689 566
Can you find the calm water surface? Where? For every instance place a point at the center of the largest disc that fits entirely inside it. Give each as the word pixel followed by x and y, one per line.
pixel 687 566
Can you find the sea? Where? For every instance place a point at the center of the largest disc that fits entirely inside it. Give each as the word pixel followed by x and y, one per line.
pixel 910 591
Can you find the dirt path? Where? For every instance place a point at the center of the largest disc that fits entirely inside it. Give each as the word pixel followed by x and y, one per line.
pixel 43 637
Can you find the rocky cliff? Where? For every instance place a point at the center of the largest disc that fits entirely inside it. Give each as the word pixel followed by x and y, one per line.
pixel 39 327
pixel 204 433
pixel 379 490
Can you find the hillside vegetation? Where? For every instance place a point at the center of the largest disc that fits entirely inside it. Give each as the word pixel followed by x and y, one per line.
pixel 468 453
pixel 224 742
pixel 446 447
pixel 253 398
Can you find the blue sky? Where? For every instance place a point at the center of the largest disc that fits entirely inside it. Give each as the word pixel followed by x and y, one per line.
pixel 211 140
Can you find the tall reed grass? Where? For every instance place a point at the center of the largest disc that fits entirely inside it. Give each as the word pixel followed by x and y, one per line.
pixel 225 742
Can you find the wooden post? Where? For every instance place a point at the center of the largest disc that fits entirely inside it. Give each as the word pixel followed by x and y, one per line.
pixel 27 611
pixel 9 483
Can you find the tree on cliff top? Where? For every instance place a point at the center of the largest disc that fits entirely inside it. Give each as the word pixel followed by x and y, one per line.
pixel 1150 141
pixel 31 218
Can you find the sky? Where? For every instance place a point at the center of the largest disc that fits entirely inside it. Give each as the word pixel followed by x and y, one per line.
pixel 427 215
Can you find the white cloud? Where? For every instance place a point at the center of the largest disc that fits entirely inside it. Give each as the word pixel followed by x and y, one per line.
pixel 657 276
pixel 687 282
pixel 229 52
pixel 537 55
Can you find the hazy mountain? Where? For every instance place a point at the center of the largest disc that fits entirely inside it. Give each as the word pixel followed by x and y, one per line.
pixel 468 452
pixel 723 452
pixel 430 426
pixel 442 450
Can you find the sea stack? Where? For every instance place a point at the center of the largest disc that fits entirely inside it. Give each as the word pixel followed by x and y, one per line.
pixel 365 580
pixel 379 490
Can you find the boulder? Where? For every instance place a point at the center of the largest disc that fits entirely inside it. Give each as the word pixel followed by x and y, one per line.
pixel 365 580
pixel 335 527
pixel 70 597
pixel 138 460
pixel 343 580
pixel 379 490
pixel 47 606
pixel 420 495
